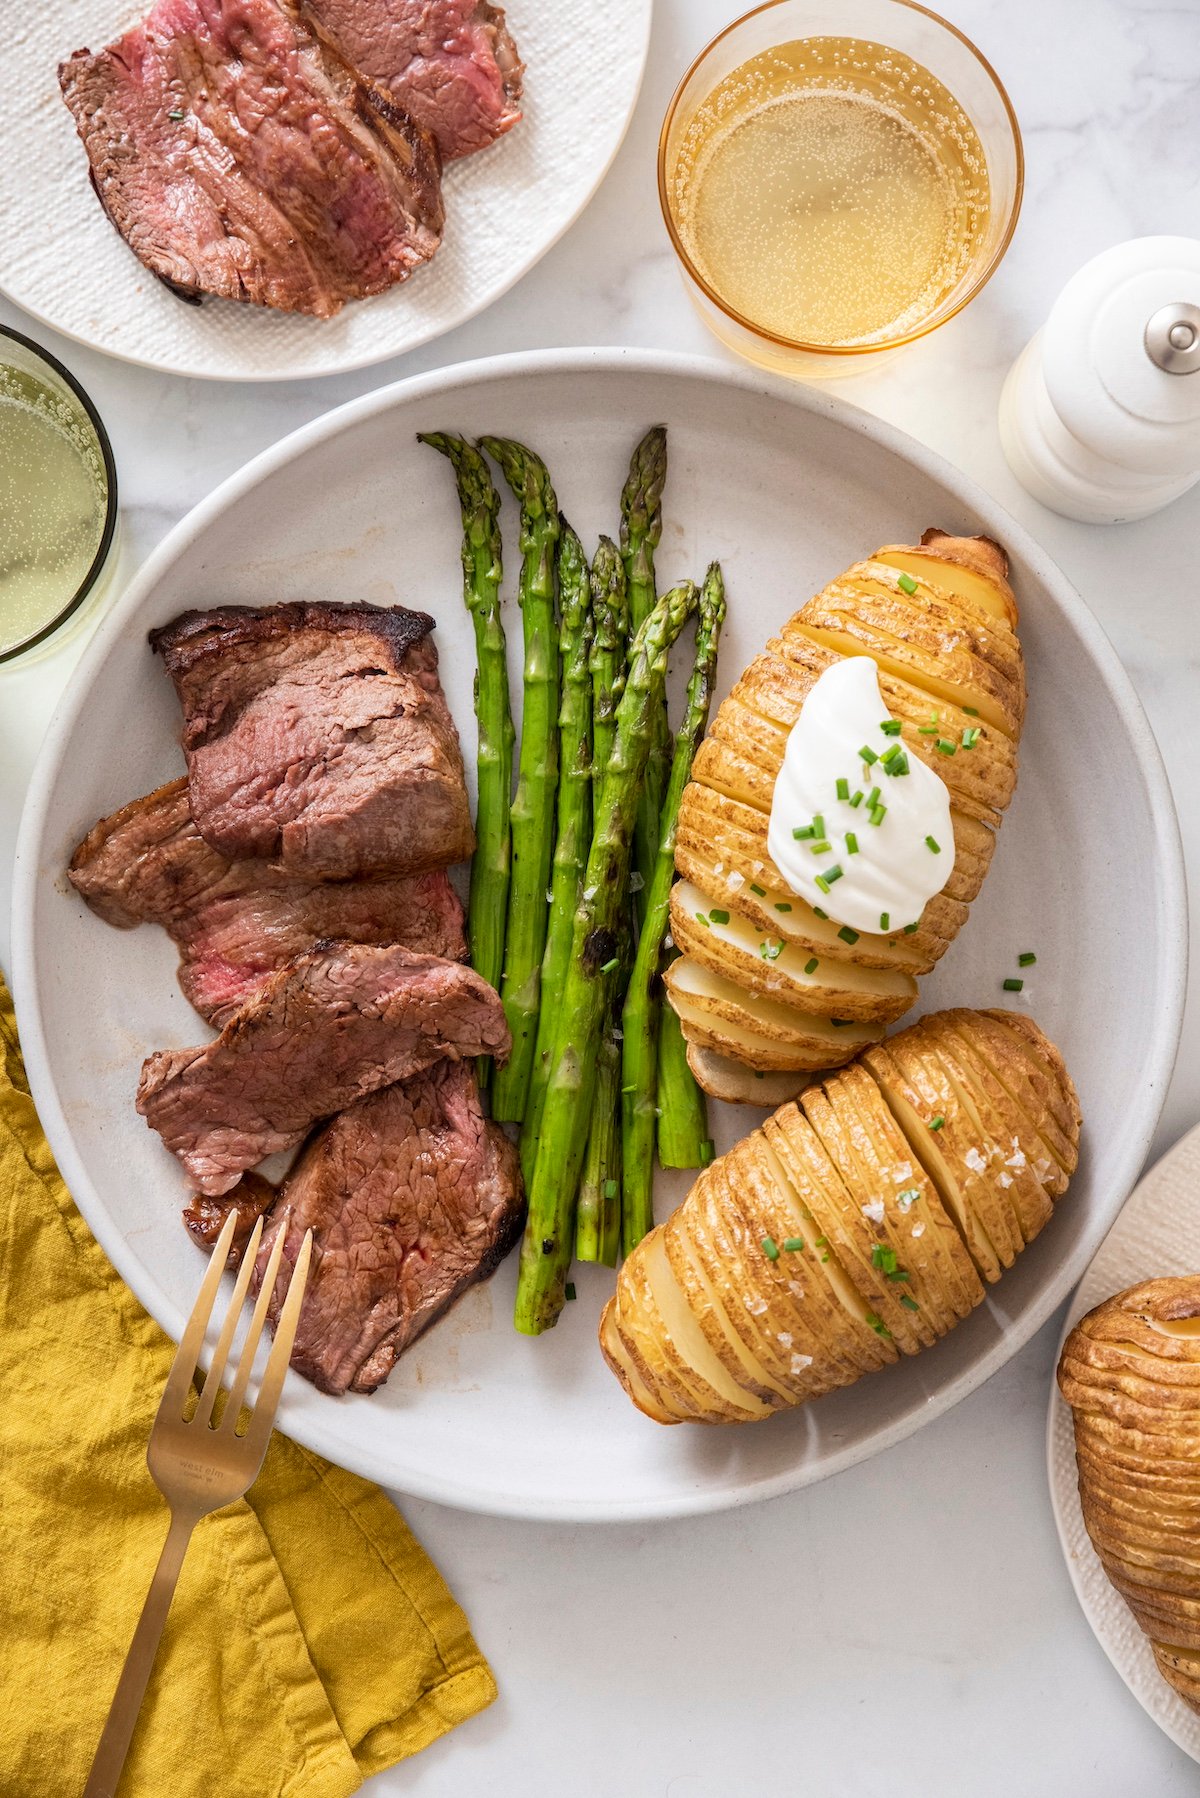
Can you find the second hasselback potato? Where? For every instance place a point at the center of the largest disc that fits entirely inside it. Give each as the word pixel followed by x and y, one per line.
pixel 857 1225
pixel 768 983
pixel 1130 1371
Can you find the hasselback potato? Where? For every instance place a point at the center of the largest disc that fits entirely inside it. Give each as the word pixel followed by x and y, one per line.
pixel 859 1224
pixel 939 622
pixel 1130 1371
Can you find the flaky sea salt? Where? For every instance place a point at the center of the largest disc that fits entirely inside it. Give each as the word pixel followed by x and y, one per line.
pixel 800 1362
pixel 874 1210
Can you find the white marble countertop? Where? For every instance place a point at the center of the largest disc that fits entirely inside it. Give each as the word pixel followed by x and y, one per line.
pixel 907 1628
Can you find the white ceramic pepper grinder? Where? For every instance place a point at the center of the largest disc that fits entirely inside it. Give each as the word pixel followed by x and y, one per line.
pixel 1100 415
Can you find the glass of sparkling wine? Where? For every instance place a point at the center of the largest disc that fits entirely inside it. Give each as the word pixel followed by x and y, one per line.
pixel 58 495
pixel 838 177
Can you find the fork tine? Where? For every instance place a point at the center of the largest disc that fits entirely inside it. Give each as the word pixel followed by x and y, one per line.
pixel 281 1352
pixel 216 1367
pixel 250 1346
pixel 183 1368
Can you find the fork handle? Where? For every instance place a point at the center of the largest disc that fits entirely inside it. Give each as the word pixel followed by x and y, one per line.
pixel 131 1687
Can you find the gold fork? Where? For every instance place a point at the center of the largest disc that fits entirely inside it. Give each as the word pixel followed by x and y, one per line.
pixel 199 1466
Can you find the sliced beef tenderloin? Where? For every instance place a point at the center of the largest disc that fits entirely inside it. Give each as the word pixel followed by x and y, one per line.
pixel 451 64
pixel 317 1036
pixel 239 157
pixel 411 1197
pixel 319 736
pixel 237 922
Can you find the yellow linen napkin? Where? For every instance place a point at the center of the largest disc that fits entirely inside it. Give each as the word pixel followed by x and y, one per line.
pixel 311 1641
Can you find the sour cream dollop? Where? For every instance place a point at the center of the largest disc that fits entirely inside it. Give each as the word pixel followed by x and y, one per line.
pixel 889 869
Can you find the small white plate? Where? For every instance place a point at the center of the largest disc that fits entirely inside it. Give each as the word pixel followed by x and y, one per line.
pixel 787 486
pixel 1156 1235
pixel 63 262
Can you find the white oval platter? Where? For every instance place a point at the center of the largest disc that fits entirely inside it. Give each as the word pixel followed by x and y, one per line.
pixel 505 207
pixel 787 486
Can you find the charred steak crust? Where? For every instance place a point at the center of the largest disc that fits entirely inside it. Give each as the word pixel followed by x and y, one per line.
pixel 236 923
pixel 228 630
pixel 411 1197
pixel 318 735
pixel 319 1035
pixel 240 157
pixel 204 1218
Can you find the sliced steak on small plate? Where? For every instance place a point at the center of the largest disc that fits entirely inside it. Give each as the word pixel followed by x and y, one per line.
pixel 319 736
pixel 237 922
pixel 411 1197
pixel 451 64
pixel 322 1033
pixel 239 157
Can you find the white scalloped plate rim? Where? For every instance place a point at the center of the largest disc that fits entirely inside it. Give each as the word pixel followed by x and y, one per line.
pixel 1110 1620
pixel 584 70
pixel 1116 1164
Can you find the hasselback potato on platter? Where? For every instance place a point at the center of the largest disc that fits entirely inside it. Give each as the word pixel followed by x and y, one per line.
pixel 925 679
pixel 1130 1371
pixel 859 1224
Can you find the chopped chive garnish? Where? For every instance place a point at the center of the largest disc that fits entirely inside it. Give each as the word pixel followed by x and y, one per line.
pixel 1013 986
pixel 822 848
pixel 867 755
pixel 818 913
pixel 877 814
pixel 891 727
pixel 970 736
pixel 847 935
pixel 761 891
pixel 608 966
pixel 570 1289
pixel 719 917
pixel 702 919
pixel 825 1255
pixel 793 1244
pixel 906 583
pixel 873 798
pixel 945 746
pixel 810 967
pixel 176 115
pixel 909 928
pixel 884 1257
pixel 820 1242
pixel 834 873
pixel 909 1304
pixel 770 1248
pixel 932 844
pixel 819 825
pixel 877 1324
pixel 937 1122
pixel 782 905
pixel 610 1189
pixel 824 886
pixel 895 762
pixel 928 730
pixel 858 798
pixel 885 920
pixel 707 1152
pixel 771 951
pixel 971 711
pixel 803 831
pixel 908 1197
pixel 851 843
pixel 1026 959
pixel 843 789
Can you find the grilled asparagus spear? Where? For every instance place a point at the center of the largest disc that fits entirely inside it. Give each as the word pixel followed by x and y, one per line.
pixel 533 807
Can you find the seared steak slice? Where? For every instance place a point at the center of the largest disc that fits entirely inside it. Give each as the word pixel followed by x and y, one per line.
pixel 238 157
pixel 319 735
pixel 323 1032
pixel 204 1218
pixel 411 1196
pixel 451 64
pixel 237 922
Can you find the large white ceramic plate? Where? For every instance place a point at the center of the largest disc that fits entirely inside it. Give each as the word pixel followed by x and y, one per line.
pixel 62 260
pixel 1156 1235
pixel 787 487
